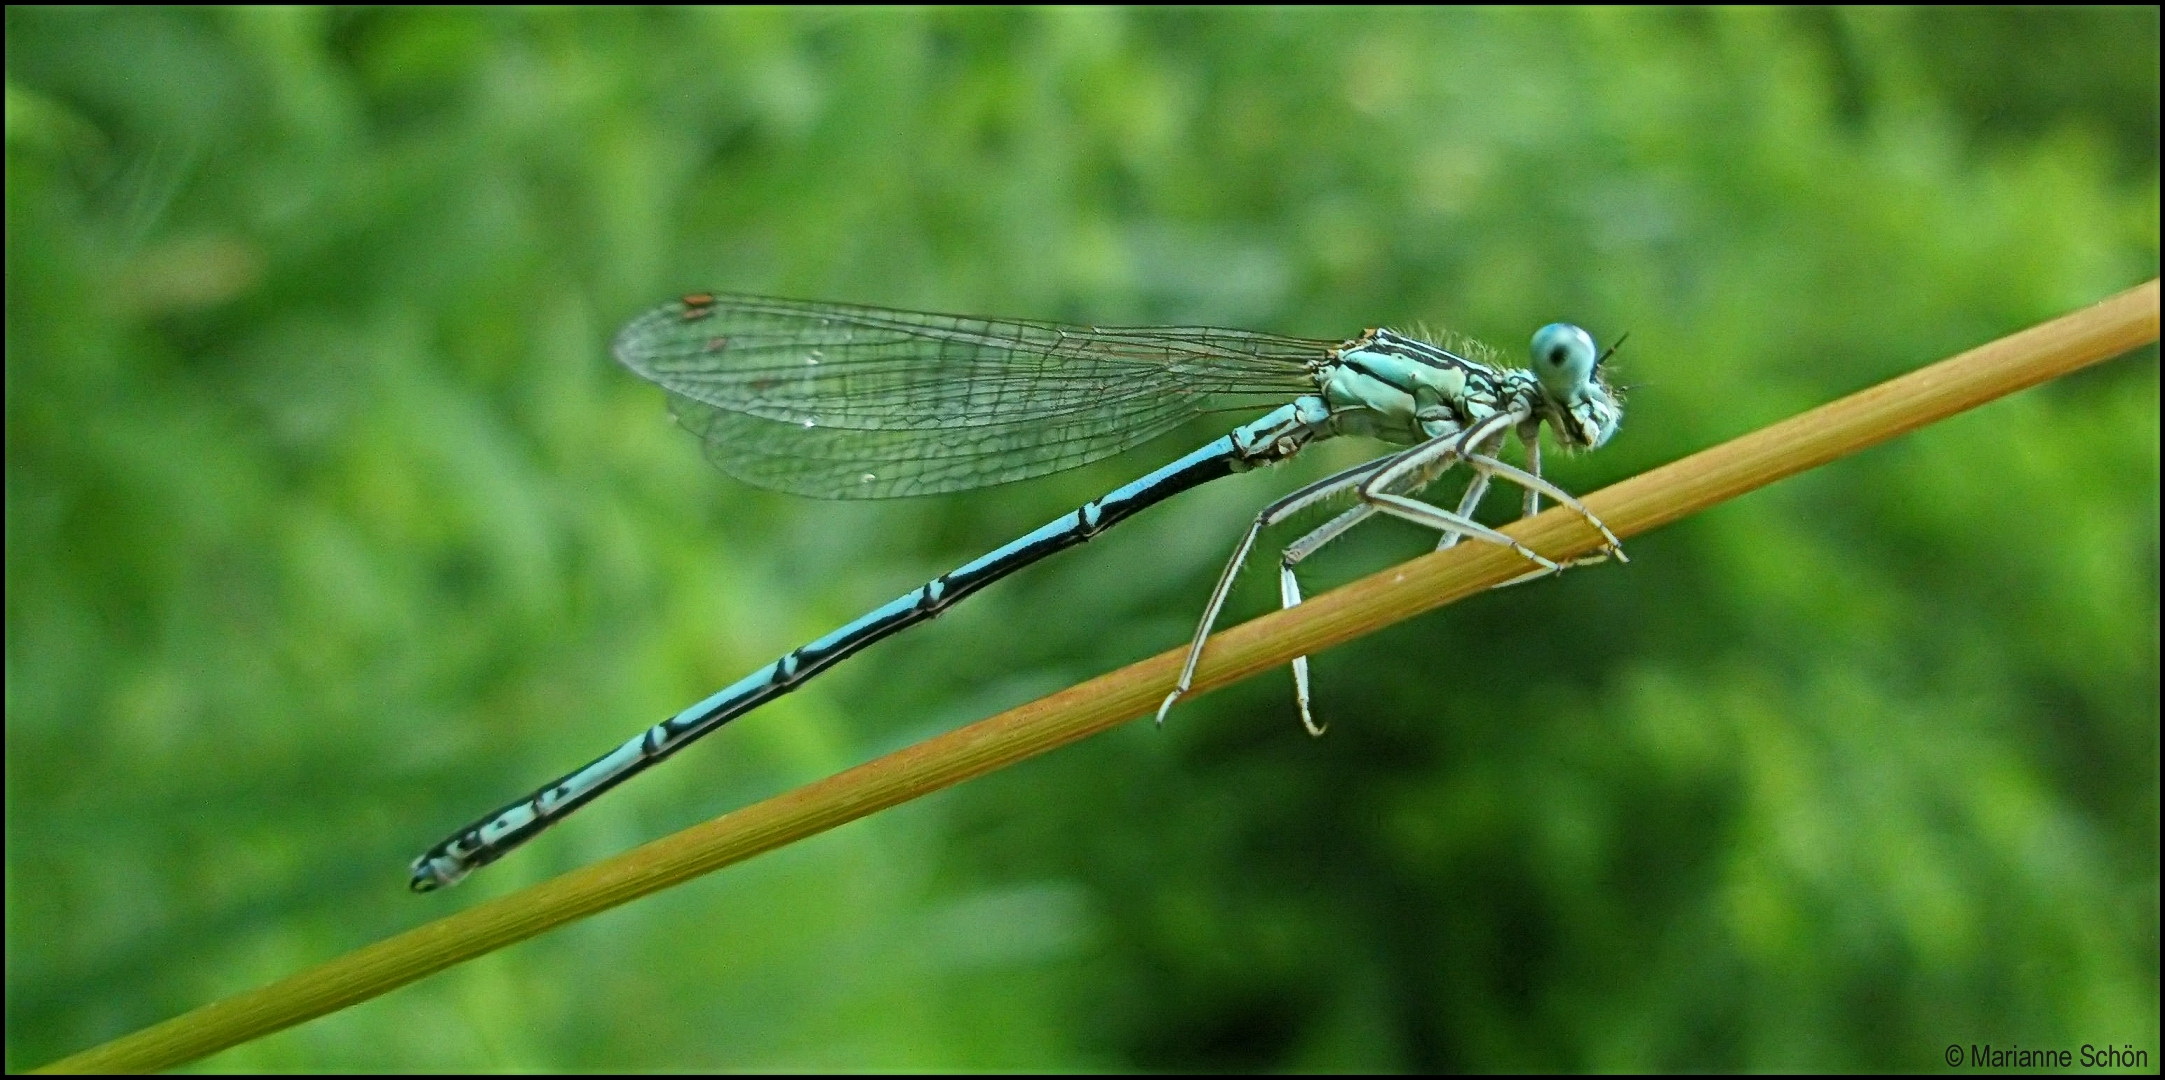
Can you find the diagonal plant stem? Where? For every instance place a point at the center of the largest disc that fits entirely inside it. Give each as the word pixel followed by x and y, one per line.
pixel 1647 501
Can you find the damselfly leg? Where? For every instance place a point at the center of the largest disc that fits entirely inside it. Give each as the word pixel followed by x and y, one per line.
pixel 1387 485
pixel 1359 479
pixel 1276 512
pixel 1289 590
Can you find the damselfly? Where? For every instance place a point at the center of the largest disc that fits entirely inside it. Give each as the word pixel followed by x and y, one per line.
pixel 846 402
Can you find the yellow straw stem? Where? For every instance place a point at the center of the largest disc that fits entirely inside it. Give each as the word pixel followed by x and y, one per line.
pixel 1644 502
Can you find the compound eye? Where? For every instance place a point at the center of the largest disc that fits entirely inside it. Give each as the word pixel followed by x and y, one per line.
pixel 1563 358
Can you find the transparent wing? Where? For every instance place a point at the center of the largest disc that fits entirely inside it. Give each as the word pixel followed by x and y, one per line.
pixel 842 401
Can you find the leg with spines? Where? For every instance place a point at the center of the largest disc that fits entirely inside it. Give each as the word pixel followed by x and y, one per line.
pixel 1356 478
pixel 1408 472
pixel 1428 460
pixel 1276 512
pixel 1289 590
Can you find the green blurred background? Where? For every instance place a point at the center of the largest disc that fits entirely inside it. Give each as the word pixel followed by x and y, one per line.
pixel 330 524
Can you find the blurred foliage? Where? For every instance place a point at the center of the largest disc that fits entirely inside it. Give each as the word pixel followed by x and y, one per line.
pixel 330 524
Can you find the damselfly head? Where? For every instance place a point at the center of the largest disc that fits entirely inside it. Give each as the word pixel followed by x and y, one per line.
pixel 1575 396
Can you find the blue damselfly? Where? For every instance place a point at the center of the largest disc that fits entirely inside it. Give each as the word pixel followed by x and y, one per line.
pixel 846 402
